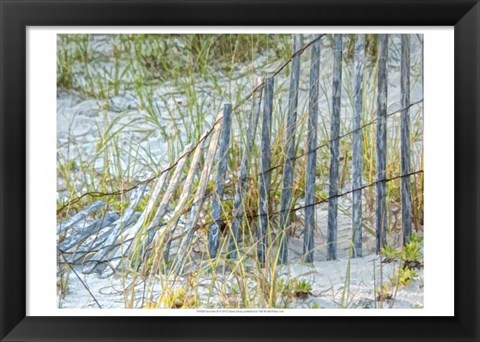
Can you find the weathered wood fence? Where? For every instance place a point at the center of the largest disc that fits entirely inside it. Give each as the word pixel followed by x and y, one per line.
pixel 161 231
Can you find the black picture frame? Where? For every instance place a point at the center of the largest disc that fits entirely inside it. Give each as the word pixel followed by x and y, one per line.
pixel 17 15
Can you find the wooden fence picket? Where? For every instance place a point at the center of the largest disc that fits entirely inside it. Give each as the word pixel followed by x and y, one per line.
pixel 189 229
pixel 214 231
pixel 165 233
pixel 334 147
pixel 311 167
pixel 242 184
pixel 381 140
pixel 357 158
pixel 264 177
pixel 286 201
pixel 405 137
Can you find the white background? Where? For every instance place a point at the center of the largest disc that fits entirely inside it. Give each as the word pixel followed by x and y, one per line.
pixel 438 166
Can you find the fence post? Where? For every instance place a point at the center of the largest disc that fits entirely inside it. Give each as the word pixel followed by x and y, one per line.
pixel 214 232
pixel 405 137
pixel 334 147
pixel 308 239
pixel 359 62
pixel 242 184
pixel 199 198
pixel 381 214
pixel 289 150
pixel 167 232
pixel 264 178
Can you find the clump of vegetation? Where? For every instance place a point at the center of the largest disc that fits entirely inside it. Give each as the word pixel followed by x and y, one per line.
pixel 410 258
pixel 294 288
pixel 405 276
pixel 384 293
pixel 410 254
pixel 390 253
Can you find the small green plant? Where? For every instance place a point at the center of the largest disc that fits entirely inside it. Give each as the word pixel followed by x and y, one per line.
pixel 294 288
pixel 403 277
pixel 411 255
pixel 383 293
pixel 391 253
